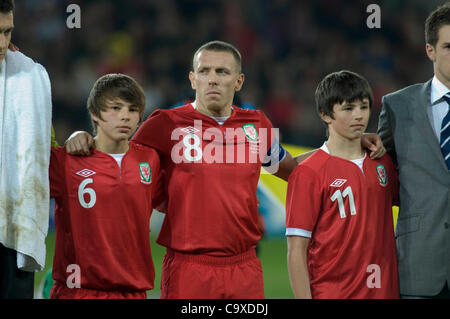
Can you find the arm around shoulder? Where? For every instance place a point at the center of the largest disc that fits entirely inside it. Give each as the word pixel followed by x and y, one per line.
pixel 300 158
pixel 289 163
pixel 285 167
pixel 79 143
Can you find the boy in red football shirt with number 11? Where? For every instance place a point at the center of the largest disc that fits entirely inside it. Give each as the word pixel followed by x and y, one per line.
pixel 339 223
pixel 104 201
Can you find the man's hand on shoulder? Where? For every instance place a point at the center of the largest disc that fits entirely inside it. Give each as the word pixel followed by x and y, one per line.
pixel 79 143
pixel 13 47
pixel 372 142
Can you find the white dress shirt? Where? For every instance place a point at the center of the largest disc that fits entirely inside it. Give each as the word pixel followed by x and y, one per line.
pixel 439 107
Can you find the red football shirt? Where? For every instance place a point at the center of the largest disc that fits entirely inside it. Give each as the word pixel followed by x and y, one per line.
pixel 211 175
pixel 102 217
pixel 347 213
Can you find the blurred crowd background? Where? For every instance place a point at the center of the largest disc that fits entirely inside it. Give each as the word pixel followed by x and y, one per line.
pixel 288 46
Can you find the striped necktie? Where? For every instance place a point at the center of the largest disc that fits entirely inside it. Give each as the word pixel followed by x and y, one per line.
pixel 445 134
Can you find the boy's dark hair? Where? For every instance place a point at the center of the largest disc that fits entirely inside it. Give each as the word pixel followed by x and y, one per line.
pixel 220 46
pixel 111 86
pixel 6 6
pixel 438 18
pixel 341 86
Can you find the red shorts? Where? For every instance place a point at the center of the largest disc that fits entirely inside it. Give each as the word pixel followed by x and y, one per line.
pixel 191 276
pixel 61 291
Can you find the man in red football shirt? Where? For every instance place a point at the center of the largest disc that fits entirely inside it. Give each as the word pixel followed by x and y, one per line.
pixel 339 222
pixel 104 201
pixel 212 153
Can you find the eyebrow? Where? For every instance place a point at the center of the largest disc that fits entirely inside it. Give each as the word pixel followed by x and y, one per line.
pixel 354 103
pixel 115 102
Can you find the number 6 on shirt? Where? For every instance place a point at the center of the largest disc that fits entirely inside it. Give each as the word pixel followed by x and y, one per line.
pixel 339 196
pixel 83 190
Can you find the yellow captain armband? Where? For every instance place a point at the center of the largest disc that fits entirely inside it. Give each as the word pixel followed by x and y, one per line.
pixel 54 142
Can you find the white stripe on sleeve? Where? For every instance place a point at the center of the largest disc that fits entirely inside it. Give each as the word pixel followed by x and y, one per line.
pixel 298 232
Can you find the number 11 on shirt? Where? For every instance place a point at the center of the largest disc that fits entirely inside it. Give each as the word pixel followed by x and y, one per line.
pixel 338 195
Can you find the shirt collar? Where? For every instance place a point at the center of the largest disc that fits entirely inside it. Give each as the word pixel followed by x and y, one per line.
pixel 324 148
pixel 438 90
pixel 194 105
pixel 2 65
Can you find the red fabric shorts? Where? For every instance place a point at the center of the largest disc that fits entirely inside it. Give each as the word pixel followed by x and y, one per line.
pixel 191 276
pixel 61 291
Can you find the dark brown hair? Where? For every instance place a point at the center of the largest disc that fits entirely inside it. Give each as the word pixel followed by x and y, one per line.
pixel 339 87
pixel 436 19
pixel 6 6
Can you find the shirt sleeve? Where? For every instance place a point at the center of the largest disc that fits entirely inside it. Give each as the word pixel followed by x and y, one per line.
pixel 159 201
pixel 56 171
pixel 303 202
pixel 153 132
pixel 385 130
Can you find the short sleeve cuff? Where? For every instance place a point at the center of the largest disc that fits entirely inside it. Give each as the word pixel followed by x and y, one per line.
pixel 298 232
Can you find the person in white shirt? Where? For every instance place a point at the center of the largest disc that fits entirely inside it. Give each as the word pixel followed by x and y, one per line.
pixel 25 135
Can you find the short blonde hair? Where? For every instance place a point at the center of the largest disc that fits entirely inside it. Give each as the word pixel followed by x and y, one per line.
pixel 220 46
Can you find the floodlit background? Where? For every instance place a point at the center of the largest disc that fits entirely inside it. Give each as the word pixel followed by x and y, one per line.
pixel 288 46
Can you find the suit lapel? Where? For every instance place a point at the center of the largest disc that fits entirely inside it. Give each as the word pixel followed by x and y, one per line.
pixel 423 100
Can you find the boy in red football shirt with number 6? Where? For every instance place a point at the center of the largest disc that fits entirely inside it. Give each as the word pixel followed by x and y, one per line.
pixel 339 222
pixel 104 201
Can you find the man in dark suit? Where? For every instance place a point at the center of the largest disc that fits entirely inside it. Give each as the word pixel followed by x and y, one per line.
pixel 414 127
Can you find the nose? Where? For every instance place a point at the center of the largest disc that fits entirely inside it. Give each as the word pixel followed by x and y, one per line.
pixel 358 113
pixel 125 114
pixel 212 79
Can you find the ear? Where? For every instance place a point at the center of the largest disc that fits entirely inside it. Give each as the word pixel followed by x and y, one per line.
pixel 94 118
pixel 431 52
pixel 192 78
pixel 326 118
pixel 239 82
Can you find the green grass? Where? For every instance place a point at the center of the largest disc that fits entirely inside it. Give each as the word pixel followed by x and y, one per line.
pixel 50 243
pixel 272 253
